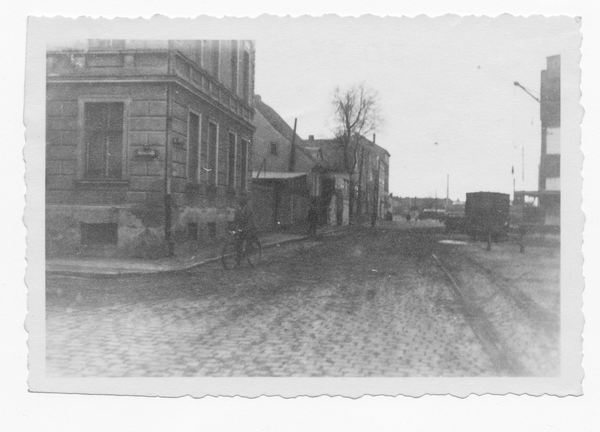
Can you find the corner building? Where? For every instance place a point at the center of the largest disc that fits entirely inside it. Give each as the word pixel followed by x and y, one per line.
pixel 147 143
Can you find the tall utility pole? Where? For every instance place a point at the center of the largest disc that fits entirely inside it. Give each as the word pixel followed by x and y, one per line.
pixel 447 190
pixel 292 163
pixel 523 165
pixel 436 176
pixel 514 185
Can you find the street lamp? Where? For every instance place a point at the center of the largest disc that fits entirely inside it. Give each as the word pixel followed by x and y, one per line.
pixel 436 174
pixel 516 83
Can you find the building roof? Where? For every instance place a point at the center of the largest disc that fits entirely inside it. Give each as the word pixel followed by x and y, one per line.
pixel 368 143
pixel 332 151
pixel 275 119
pixel 282 127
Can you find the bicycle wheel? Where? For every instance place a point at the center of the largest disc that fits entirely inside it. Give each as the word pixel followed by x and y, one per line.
pixel 253 252
pixel 229 255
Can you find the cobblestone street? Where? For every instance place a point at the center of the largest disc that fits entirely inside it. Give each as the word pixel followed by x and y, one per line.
pixel 360 303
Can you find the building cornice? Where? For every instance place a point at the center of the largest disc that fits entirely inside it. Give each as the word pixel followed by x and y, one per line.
pixel 153 79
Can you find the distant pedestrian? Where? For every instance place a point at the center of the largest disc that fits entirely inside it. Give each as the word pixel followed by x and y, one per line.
pixel 313 218
pixel 408 217
pixel 373 218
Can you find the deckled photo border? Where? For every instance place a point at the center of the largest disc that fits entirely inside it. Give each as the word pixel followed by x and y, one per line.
pixel 569 382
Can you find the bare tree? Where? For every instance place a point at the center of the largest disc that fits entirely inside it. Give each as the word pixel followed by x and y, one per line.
pixel 356 115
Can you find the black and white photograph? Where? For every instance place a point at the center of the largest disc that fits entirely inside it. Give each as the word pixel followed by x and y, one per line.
pixel 305 206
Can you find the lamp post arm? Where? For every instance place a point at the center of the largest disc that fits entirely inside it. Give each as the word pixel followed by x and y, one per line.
pixel 526 91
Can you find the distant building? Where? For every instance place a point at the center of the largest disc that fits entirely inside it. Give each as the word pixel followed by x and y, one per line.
pixel 147 143
pixel 370 178
pixel 336 184
pixel 286 176
pixel 375 190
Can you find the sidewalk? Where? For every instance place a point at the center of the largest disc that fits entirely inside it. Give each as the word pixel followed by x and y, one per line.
pixel 110 267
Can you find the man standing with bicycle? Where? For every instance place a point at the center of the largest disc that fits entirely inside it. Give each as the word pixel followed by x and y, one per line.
pixel 243 222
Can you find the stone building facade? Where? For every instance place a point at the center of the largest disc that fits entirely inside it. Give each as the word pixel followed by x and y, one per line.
pixel 147 145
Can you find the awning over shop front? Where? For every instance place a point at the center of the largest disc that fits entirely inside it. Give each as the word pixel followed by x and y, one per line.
pixel 274 175
pixel 295 183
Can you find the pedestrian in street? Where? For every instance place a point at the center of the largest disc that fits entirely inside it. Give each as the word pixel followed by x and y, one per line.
pixel 373 218
pixel 313 217
pixel 243 222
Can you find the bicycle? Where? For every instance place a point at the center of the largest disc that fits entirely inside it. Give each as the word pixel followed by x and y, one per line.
pixel 237 249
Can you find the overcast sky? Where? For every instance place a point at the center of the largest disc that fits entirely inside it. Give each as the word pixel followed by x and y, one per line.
pixel 442 80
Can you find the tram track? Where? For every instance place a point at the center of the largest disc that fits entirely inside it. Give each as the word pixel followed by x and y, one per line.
pixel 526 305
pixel 504 360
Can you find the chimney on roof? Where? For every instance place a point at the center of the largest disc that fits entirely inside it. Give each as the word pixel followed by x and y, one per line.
pixel 311 137
pixel 373 138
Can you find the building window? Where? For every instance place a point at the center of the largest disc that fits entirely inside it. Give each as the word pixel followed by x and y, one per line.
pixel 214 58
pixel 244 167
pixel 194 146
pixel 104 139
pixel 553 140
pixel 99 234
pixel 273 149
pixel 213 152
pixel 234 67
pixel 553 183
pixel 231 160
pixel 246 77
